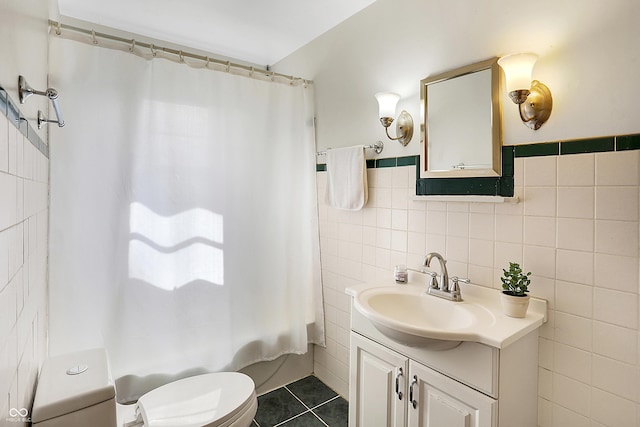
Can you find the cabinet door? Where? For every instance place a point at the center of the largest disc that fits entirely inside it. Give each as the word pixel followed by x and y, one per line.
pixel 377 388
pixel 435 400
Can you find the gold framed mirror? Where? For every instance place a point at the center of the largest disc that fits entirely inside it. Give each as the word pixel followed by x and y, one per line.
pixel 461 122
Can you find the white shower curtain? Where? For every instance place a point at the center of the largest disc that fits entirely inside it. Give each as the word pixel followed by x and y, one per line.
pixel 183 214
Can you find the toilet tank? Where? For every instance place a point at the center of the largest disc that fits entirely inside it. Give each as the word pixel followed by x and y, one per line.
pixel 75 390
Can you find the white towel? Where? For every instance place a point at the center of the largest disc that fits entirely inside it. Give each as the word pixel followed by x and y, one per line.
pixel 347 178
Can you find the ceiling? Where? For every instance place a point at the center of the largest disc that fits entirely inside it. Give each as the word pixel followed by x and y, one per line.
pixel 256 31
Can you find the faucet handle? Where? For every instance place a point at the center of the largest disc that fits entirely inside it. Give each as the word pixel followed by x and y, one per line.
pixel 455 289
pixel 456 279
pixel 433 281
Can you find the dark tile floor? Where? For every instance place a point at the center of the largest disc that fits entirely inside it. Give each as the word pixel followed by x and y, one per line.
pixel 305 403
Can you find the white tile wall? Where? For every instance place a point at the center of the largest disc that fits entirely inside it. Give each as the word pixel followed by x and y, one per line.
pixel 577 230
pixel 24 180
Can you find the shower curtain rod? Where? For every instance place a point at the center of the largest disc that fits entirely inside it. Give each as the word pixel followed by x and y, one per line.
pixel 133 43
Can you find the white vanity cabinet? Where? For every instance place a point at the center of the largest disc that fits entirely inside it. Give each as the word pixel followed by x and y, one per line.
pixel 377 391
pixel 388 389
pixel 471 385
pixel 440 401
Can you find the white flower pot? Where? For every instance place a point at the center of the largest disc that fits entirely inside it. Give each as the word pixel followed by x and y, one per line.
pixel 514 306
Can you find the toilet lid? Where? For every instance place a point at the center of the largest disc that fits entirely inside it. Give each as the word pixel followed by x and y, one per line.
pixel 200 400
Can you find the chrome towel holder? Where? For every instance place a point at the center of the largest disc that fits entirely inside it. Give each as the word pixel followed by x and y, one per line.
pixel 377 147
pixel 25 91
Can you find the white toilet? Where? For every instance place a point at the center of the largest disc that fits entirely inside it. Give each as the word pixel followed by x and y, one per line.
pixel 77 390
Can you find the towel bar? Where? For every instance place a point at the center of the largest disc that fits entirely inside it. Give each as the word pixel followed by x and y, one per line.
pixel 377 147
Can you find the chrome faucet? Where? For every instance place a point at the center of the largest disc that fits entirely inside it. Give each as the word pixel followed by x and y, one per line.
pixel 442 291
pixel 444 274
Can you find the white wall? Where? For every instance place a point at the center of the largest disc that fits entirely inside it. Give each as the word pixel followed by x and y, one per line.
pixel 577 227
pixel 23 210
pixel 588 58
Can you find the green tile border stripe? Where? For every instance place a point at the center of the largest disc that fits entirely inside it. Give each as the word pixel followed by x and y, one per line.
pixel 594 145
pixel 535 150
pixel 408 161
pixel 579 146
pixel 556 148
pixel 389 162
pixel 386 163
pixel 504 185
pixel 628 142
pixel 10 109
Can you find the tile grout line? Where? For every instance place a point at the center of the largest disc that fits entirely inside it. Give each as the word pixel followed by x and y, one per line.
pixel 324 403
pixel 321 404
pixel 295 416
pixel 297 398
pixel 300 414
pixel 318 417
pixel 309 409
pixel 305 406
pixel 292 418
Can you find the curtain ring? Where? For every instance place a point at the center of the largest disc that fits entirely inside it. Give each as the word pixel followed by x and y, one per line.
pixel 291 80
pixel 206 65
pixel 133 45
pixel 251 73
pixel 181 57
pixel 228 66
pixel 93 36
pixel 58 32
pixel 153 50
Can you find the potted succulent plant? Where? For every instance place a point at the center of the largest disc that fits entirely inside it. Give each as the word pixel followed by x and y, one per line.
pixel 515 285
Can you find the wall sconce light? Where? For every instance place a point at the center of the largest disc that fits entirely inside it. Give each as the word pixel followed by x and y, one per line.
pixel 387 102
pixel 533 98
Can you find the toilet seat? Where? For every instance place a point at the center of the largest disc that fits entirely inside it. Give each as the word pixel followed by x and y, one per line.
pixel 219 399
